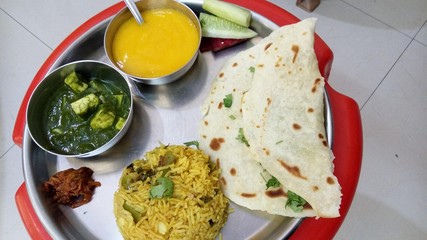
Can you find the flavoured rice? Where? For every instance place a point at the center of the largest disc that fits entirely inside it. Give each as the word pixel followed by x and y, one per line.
pixel 197 208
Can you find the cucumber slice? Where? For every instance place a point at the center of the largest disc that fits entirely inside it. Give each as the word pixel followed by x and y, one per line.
pixel 216 27
pixel 228 11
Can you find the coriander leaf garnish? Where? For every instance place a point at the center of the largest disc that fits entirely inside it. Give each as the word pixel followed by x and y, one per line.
pixel 190 143
pixel 295 202
pixel 251 69
pixel 241 137
pixel 228 100
pixel 162 189
pixel 279 142
pixel 232 117
pixel 272 183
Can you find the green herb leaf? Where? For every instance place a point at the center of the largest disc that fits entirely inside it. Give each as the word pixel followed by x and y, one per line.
pixel 232 117
pixel 228 100
pixel 273 183
pixel 295 202
pixel 242 138
pixel 195 143
pixel 162 189
pixel 252 69
pixel 279 142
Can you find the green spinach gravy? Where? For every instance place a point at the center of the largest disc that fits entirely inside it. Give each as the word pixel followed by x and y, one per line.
pixel 84 114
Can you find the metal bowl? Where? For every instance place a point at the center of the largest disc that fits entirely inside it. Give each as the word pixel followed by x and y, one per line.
pixel 39 101
pixel 125 14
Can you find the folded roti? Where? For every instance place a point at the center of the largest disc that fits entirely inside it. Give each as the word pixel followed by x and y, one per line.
pixel 277 106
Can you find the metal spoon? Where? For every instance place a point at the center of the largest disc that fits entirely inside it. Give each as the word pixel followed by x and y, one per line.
pixel 134 10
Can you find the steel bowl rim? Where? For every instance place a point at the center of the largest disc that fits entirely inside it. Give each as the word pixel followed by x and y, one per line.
pixel 162 79
pixel 106 145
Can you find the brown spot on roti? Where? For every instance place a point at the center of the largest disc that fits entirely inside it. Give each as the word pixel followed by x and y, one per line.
pixel 220 105
pixel 248 195
pixel 267 46
pixel 206 123
pixel 276 193
pixel 216 143
pixel 267 151
pixel 296 126
pixel 235 64
pixel 321 136
pixel 221 75
pixel 325 143
pixel 295 49
pixel 316 83
pixel 310 110
pixel 223 181
pixel 260 65
pixel 315 188
pixel 233 172
pixel 330 180
pixel 294 170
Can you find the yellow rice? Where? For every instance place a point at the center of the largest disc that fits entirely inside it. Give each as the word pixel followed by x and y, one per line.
pixel 197 208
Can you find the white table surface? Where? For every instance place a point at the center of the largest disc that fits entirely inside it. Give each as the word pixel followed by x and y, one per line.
pixel 380 60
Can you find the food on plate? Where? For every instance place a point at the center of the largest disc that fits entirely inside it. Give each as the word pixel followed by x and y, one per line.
pixel 224 25
pixel 264 123
pixel 163 44
pixel 174 193
pixel 228 11
pixel 85 113
pixel 71 187
pixel 213 26
pixel 217 44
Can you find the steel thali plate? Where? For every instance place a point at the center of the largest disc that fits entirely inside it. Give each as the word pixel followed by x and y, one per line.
pixel 168 114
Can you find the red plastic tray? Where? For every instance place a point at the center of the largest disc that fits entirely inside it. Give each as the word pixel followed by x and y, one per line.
pixel 347 132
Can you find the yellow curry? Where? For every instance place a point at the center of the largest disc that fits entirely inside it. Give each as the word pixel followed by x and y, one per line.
pixel 164 43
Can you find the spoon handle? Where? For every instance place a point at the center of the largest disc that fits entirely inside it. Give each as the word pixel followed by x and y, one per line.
pixel 134 10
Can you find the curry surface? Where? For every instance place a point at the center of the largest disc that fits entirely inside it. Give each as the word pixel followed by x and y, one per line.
pixel 164 43
pixel 70 133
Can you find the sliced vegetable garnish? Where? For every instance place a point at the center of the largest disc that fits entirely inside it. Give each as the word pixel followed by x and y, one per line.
pixel 295 202
pixel 272 183
pixel 136 215
pixel 216 27
pixel 242 138
pixel 217 44
pixel 228 100
pixel 229 11
pixel 162 189
pixel 167 159
pixel 192 143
